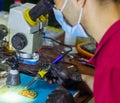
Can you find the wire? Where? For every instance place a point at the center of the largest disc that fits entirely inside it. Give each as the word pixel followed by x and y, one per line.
pixel 59 43
pixel 59 58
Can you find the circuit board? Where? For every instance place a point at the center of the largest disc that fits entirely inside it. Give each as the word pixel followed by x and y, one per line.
pixel 28 93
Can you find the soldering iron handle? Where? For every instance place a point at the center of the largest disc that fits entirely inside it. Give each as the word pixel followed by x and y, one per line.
pixel 57 59
pixel 42 7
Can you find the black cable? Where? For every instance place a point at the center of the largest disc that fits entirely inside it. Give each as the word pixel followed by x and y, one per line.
pixel 58 59
pixel 59 43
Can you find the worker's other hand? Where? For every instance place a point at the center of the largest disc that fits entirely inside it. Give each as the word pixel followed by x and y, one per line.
pixel 88 79
pixel 60 95
pixel 62 75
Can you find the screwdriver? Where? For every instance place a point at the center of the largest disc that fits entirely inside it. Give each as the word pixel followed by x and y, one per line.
pixel 31 82
pixel 40 74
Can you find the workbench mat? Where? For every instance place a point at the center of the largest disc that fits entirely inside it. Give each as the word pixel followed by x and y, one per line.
pixel 41 87
pixel 10 94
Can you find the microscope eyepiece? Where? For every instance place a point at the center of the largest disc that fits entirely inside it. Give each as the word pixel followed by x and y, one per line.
pixel 43 7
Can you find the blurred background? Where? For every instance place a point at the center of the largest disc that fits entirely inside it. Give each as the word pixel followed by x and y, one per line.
pixel 5 4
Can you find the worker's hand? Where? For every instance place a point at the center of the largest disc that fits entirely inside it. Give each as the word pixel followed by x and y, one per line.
pixel 62 75
pixel 88 79
pixel 60 95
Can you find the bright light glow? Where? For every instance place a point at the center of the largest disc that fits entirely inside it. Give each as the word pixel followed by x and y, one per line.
pixel 12 96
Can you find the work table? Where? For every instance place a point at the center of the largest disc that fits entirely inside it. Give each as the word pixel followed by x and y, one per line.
pixel 48 54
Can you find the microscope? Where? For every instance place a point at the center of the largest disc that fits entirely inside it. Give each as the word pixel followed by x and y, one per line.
pixel 21 29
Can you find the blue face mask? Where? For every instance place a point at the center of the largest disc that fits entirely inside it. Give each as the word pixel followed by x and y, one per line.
pixel 76 30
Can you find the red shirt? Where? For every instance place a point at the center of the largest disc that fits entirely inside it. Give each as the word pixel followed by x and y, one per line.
pixel 107 67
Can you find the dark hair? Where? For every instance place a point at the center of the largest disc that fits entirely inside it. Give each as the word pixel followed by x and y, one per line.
pixel 107 1
pixel 116 0
pixel 110 0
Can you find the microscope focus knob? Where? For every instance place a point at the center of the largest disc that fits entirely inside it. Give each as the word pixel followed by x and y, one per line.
pixel 3 31
pixel 19 41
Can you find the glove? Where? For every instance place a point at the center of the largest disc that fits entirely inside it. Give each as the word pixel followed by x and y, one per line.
pixel 61 75
pixel 60 95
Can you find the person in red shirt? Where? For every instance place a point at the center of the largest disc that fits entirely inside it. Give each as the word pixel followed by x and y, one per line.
pixel 101 20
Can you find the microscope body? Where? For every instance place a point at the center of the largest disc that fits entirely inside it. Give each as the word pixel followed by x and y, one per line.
pixel 22 28
pixel 23 37
pixel 18 35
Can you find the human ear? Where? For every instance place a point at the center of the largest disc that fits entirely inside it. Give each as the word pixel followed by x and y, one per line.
pixel 58 4
pixel 81 3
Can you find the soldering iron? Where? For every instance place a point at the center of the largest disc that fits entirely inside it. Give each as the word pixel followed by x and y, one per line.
pixel 42 73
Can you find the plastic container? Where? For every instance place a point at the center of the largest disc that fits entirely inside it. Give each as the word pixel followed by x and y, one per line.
pixel 69 39
pixel 16 3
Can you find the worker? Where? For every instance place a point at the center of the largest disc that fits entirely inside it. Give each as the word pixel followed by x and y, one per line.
pixel 100 19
